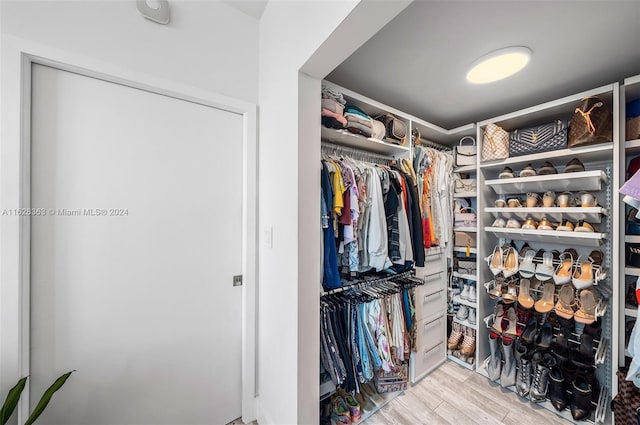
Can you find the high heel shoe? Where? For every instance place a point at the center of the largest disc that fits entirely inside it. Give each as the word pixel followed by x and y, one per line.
pixel 544 270
pixel 524 297
pixel 564 306
pixel 564 270
pixel 510 266
pixel 587 312
pixel 495 261
pixel 545 304
pixel 527 268
pixel 583 274
pixel 512 293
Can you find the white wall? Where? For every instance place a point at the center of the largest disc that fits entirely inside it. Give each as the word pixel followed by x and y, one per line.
pixel 312 36
pixel 208 45
pixel 208 49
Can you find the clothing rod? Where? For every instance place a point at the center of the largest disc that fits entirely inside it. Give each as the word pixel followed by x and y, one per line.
pixel 376 280
pixel 434 145
pixel 332 148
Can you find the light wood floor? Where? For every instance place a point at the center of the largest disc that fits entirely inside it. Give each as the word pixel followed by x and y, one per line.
pixel 454 395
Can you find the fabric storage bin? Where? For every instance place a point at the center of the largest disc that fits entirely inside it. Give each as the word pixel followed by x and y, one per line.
pixel 633 254
pixel 394 380
pixel 469 240
pixel 542 138
pixel 633 120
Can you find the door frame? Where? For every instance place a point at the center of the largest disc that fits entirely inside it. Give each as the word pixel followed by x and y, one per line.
pixel 17 57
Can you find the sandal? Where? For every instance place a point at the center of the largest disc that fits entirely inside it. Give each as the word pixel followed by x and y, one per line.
pixel 583 226
pixel 500 203
pixel 524 297
pixel 511 330
pixel 512 223
pixel 573 166
pixel 514 203
pixel 587 306
pixel 545 304
pixel 544 270
pixel 566 301
pixel 506 173
pixel 583 274
pixel 511 295
pixel 564 271
pixel 510 266
pixel 565 226
pixel 499 222
pixel 499 314
pixel 547 168
pixel 545 224
pixel 494 261
pixel 565 199
pixel 527 268
pixel 530 223
pixel 527 171
pixel 548 199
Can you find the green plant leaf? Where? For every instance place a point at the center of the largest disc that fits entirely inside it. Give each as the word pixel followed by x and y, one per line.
pixel 11 401
pixel 46 397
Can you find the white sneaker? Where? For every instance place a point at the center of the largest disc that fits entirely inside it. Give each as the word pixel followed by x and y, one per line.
pixel 472 316
pixel 472 293
pixel 465 292
pixel 463 312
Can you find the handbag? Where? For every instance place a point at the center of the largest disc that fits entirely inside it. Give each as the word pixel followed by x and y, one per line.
pixel 626 404
pixel 396 130
pixel 466 154
pixel 495 143
pixel 465 239
pixel 591 124
pixel 633 120
pixel 464 185
pixel 466 266
pixel 466 217
pixel 541 138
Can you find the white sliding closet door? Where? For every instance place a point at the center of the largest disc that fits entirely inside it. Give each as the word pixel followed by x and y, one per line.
pixel 140 301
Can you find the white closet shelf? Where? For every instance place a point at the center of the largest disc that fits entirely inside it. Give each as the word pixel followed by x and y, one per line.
pixel 464 249
pixel 466 276
pixel 458 300
pixel 590 214
pixel 586 154
pixel 632 146
pixel 632 238
pixel 584 180
pixel 460 362
pixel 387 397
pixel 632 312
pixel 465 323
pixel 632 271
pixel 345 138
pixel 549 236
pixel 465 195
pixel 465 229
pixel 465 169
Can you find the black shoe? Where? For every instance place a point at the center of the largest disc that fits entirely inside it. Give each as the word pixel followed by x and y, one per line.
pixel 556 389
pixel 529 332
pixel 581 398
pixel 543 340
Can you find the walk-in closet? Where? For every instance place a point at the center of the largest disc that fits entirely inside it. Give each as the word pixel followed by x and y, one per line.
pixel 500 255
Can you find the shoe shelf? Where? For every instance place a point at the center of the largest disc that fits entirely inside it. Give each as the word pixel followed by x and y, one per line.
pixel 582 181
pixel 632 146
pixel 465 229
pixel 460 362
pixel 465 195
pixel 347 139
pixel 464 249
pixel 590 239
pixel 632 271
pixel 466 323
pixel 585 154
pixel 465 169
pixel 327 388
pixel 597 414
pixel 631 312
pixel 632 238
pixel 466 276
pixel 458 300
pixel 589 214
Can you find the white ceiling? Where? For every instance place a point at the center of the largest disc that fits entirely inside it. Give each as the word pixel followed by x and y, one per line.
pixel 418 62
pixel 248 7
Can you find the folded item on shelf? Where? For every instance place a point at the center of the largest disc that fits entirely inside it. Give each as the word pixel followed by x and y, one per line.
pixel 541 138
pixel 329 93
pixel 465 239
pixel 333 105
pixel 354 110
pixel 336 116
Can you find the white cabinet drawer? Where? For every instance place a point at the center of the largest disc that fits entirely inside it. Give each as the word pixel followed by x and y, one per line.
pixel 430 332
pixel 426 359
pixel 432 264
pixel 430 300
pixel 433 280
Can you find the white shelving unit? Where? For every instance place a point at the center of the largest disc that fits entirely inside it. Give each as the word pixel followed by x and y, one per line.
pixel 465 276
pixel 593 239
pixel 602 168
pixel 589 214
pixel 629 91
pixel 584 180
pixel 466 323
pixel 356 141
pixel 460 362
pixel 465 195
pixel 465 229
pixel 463 249
pixel 462 301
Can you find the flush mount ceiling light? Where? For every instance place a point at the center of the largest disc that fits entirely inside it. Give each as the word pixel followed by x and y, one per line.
pixel 499 64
